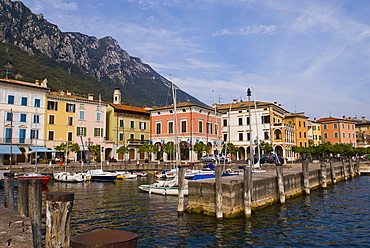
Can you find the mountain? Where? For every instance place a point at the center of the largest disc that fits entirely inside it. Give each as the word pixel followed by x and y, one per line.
pixel 88 64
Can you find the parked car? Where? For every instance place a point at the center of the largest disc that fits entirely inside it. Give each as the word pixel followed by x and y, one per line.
pixel 268 158
pixel 209 158
pixel 224 157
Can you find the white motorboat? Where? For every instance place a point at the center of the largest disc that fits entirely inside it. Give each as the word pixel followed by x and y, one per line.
pixel 126 175
pixel 100 175
pixel 164 187
pixel 69 177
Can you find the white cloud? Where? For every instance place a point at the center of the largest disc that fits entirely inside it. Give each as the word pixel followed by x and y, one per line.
pixel 248 30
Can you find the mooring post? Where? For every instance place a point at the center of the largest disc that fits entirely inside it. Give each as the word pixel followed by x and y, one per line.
pixel 357 169
pixel 344 169
pixel 58 219
pixel 280 180
pixel 181 185
pixel 219 214
pixel 34 209
pixel 323 174
pixel 248 186
pixel 332 170
pixel 9 190
pixel 23 197
pixel 105 239
pixel 350 165
pixel 306 177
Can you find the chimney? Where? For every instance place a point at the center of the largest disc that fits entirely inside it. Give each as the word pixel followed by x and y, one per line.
pixel 275 103
pixel 235 100
pixel 69 93
pixel 314 119
pixel 344 117
pixel 37 82
pixel 90 97
pixel 363 119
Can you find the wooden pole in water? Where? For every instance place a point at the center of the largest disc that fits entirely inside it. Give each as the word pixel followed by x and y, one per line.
pixel 357 165
pixel 219 213
pixel 34 209
pixel 323 174
pixel 306 177
pixel 344 169
pixel 332 170
pixel 350 165
pixel 9 190
pixel 280 180
pixel 23 197
pixel 181 186
pixel 248 192
pixel 58 219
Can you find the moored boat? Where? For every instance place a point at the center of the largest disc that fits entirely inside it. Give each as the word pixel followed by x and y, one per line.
pixel 100 175
pixel 33 175
pixel 69 177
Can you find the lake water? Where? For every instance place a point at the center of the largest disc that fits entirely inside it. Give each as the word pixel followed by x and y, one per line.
pixel 338 216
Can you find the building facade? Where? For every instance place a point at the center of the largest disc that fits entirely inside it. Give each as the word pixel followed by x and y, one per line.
pixel 338 131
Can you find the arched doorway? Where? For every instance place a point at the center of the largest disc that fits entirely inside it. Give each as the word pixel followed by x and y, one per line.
pixel 159 153
pixel 108 153
pixel 279 151
pixel 22 158
pixel 242 153
pixel 132 154
pixel 184 150
pixel 170 146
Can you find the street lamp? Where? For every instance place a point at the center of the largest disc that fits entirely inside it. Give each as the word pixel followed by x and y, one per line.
pixel 249 92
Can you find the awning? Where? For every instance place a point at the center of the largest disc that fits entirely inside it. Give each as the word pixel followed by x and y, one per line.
pixel 34 149
pixel 5 149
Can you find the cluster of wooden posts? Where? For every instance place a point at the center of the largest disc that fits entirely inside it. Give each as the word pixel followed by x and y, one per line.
pixel 58 217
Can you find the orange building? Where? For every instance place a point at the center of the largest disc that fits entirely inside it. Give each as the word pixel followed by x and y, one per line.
pixel 300 123
pixel 338 131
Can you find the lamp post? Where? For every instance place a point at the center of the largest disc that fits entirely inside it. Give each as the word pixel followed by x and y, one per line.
pixel 250 128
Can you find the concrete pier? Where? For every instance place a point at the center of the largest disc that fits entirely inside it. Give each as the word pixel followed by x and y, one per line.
pixel 265 190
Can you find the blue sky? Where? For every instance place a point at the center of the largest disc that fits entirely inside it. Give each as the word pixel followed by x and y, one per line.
pixel 310 56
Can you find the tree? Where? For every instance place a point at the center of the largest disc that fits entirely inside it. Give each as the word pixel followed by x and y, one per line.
pixel 148 148
pixel 199 148
pixel 170 149
pixel 230 148
pixel 95 150
pixel 123 150
pixel 266 147
pixel 67 147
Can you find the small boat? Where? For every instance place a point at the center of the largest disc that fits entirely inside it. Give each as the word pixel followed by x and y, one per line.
pixel 126 175
pixel 33 175
pixel 141 173
pixel 69 177
pixel 164 187
pixel 100 175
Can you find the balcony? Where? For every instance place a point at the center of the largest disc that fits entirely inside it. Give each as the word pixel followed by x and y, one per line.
pixel 136 142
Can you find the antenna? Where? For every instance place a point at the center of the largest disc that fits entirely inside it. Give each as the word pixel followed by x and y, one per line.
pixel 329 113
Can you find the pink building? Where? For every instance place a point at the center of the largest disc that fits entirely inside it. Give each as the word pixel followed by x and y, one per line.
pixel 194 123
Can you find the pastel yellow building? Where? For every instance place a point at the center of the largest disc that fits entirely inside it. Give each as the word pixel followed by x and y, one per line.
pixel 300 123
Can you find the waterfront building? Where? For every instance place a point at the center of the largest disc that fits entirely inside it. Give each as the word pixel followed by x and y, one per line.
pixel 264 123
pixel 300 123
pixel 338 131
pixel 363 133
pixel 78 120
pixel 128 126
pixel 192 123
pixel 22 109
pixel 314 133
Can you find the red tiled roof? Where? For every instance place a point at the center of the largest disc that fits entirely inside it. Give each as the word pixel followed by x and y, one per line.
pixel 129 108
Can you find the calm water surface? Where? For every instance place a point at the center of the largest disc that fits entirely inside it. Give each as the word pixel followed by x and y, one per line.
pixel 338 216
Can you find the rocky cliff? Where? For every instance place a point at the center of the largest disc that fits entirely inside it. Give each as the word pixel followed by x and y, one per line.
pixel 102 58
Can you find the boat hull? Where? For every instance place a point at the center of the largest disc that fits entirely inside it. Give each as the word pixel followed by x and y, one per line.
pixel 68 177
pixel 162 190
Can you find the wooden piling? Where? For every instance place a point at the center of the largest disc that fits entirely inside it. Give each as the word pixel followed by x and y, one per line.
pixel 247 192
pixel 9 190
pixel 306 177
pixel 323 174
pixel 218 208
pixel 350 165
pixel 34 209
pixel 181 186
pixel 357 168
pixel 344 170
pixel 105 239
pixel 23 197
pixel 280 179
pixel 58 219
pixel 332 170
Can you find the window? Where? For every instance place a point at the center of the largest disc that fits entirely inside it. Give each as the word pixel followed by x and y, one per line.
pixel 120 136
pixel 142 137
pixel 170 127
pixel 158 128
pixel 344 135
pixel 335 125
pixel 22 135
pixel 314 128
pixel 299 125
pixel 10 99
pixel 209 128
pixel 69 136
pixel 82 115
pixel 98 116
pixel 318 128
pixel 8 135
pixel 225 136
pixel 120 123
pixel 304 135
pixel 24 101
pixel 343 125
pixel 216 128
pixel 225 122
pixel 248 120
pixel 248 136
pixel 51 135
pixel 23 118
pixel 240 121
pixel 266 135
pixel 266 119
pixel 304 125
pixel 36 119
pixel 132 124
pixel 37 103
pixel 300 134
pixel 82 106
pixel 353 126
pixel 34 134
pixel 81 131
pixel 349 135
pixel 325 135
pixel 52 105
pixel 98 132
pixel 132 136
pixel 9 116
pixel 51 119
pixel 183 126
pixel 314 137
pixel 300 144
pixel 335 135
pixel 240 136
pixel 142 125
pixel 349 126
pixel 325 126
pixel 70 121
pixel 70 107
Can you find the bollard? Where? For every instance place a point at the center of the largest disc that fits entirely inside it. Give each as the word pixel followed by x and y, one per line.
pixel 280 180
pixel 248 186
pixel 58 219
pixel 350 165
pixel 332 170
pixel 306 177
pixel 181 186
pixel 9 190
pixel 219 214
pixel 105 239
pixel 323 174
pixel 34 209
pixel 344 169
pixel 23 197
pixel 357 168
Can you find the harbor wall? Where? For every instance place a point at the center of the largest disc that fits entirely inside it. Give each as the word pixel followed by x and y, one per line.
pixel 265 189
